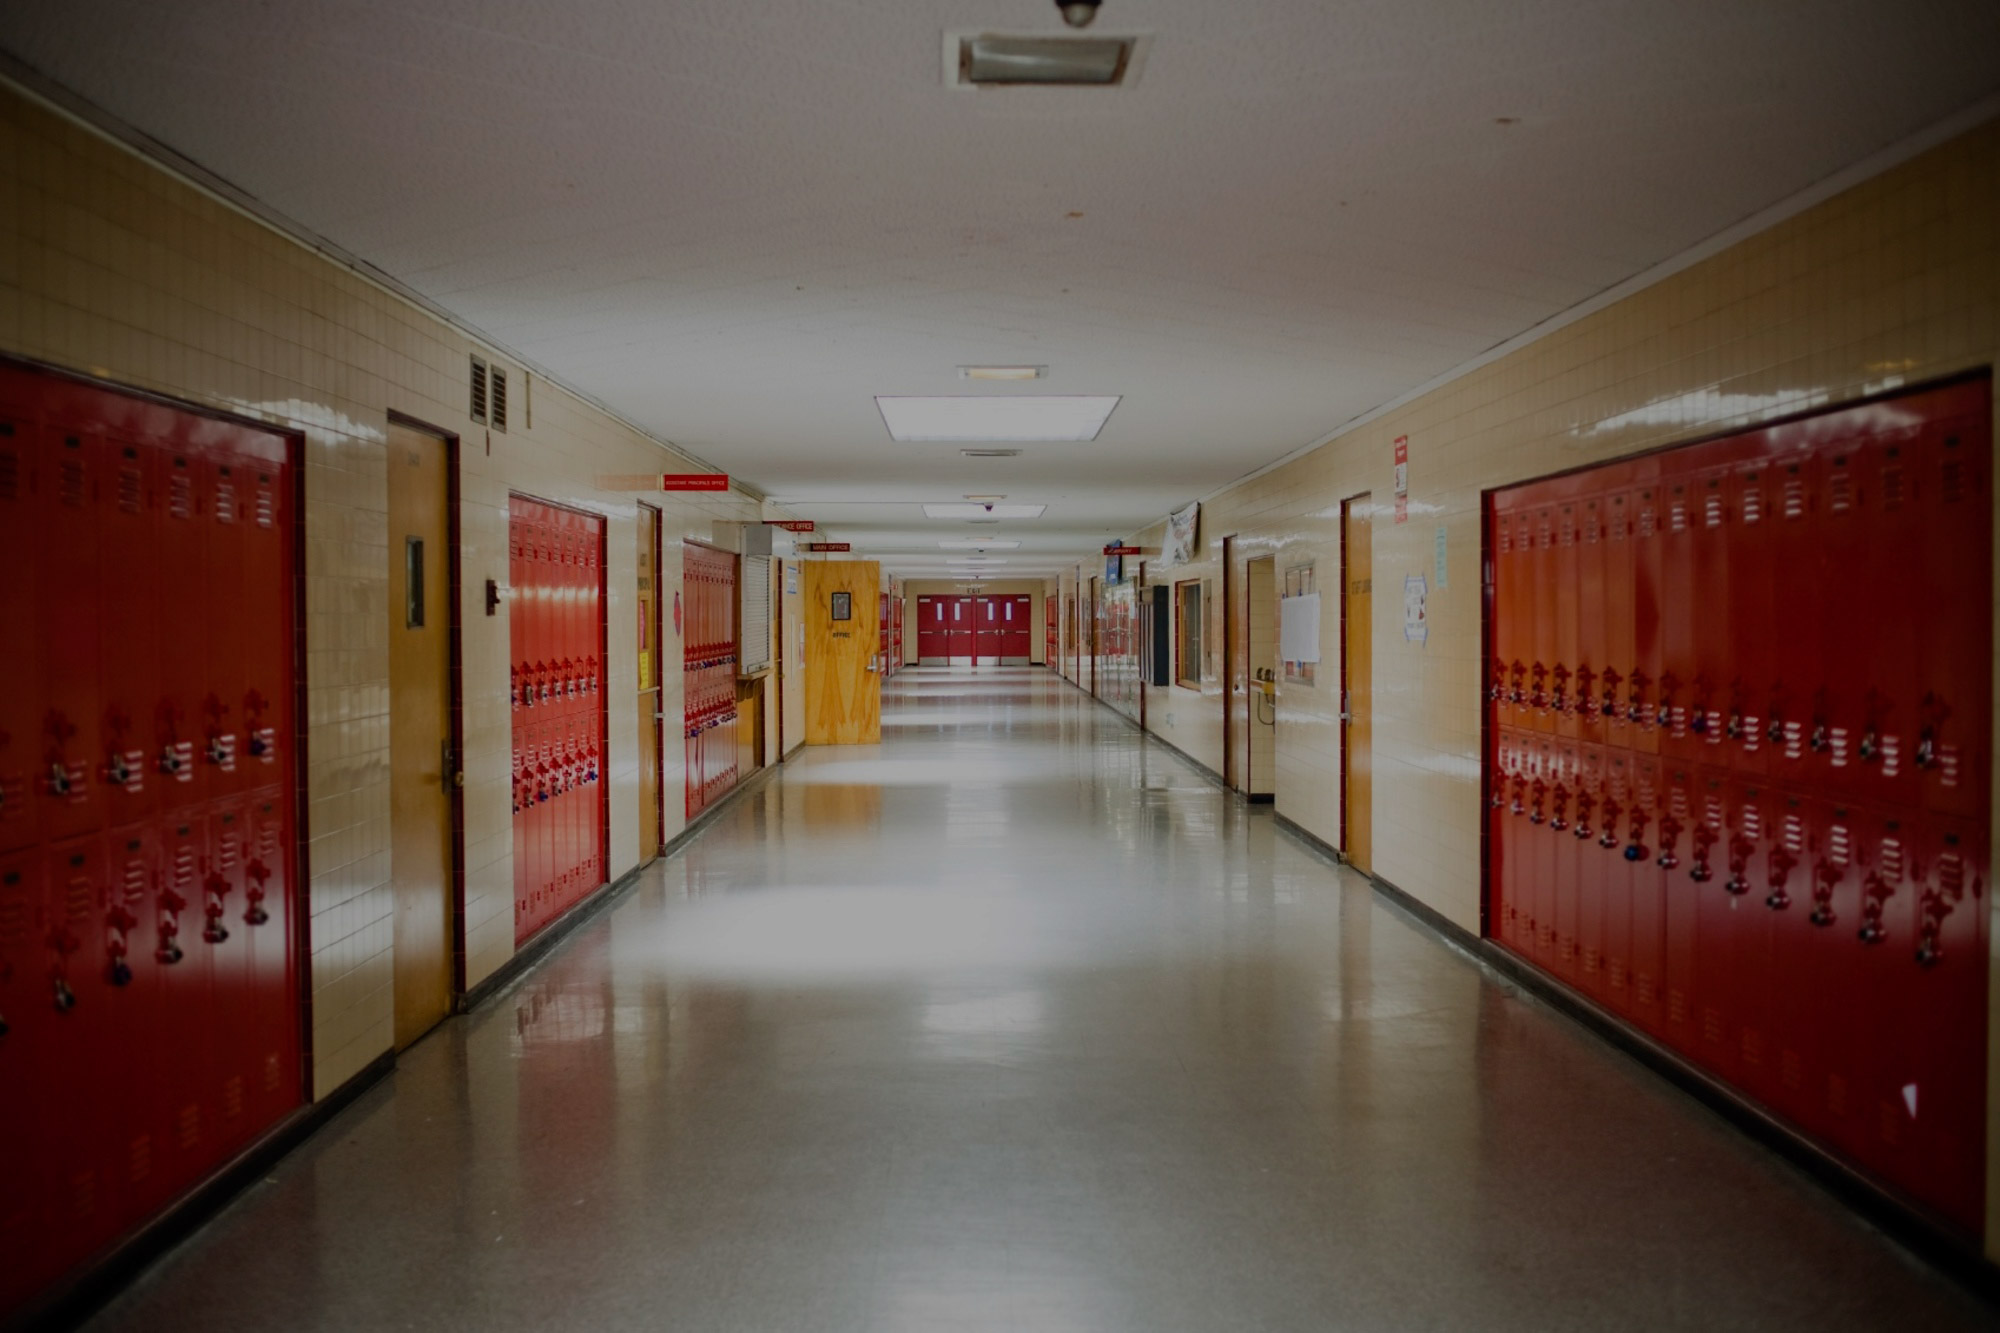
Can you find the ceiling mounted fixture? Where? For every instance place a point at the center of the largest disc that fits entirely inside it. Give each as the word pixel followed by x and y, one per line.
pixel 983 511
pixel 1071 418
pixel 1003 372
pixel 991 453
pixel 1045 60
pixel 1079 13
pixel 986 499
pixel 977 544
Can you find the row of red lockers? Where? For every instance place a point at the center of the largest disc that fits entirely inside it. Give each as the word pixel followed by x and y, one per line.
pixel 149 1022
pixel 974 627
pixel 556 636
pixel 1723 808
pixel 708 580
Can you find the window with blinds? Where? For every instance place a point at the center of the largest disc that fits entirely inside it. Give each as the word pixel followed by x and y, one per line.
pixel 753 588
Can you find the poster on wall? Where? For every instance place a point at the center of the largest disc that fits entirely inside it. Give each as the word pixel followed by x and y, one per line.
pixel 1178 549
pixel 1299 584
pixel 1416 611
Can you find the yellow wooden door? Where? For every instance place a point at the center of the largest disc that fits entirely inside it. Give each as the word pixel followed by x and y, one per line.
pixel 1357 660
pixel 422 769
pixel 650 667
pixel 843 690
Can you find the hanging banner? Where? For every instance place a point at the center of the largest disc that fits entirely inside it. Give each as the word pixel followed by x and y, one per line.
pixel 1416 610
pixel 1181 531
pixel 1402 479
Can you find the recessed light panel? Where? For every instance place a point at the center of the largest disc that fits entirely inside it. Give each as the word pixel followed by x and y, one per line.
pixel 983 511
pixel 992 60
pixel 1046 417
pixel 978 544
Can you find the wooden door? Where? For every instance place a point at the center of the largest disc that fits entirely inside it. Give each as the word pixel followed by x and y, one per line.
pixel 1357 659
pixel 1232 677
pixel 843 691
pixel 650 666
pixel 422 767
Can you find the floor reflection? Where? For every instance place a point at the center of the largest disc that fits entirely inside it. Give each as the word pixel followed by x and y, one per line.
pixel 1017 1022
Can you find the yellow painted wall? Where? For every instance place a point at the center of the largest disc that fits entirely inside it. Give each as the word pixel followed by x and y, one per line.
pixel 113 267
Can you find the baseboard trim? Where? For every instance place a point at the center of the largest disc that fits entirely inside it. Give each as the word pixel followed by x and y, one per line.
pixel 601 899
pixel 98 1281
pixel 1905 1222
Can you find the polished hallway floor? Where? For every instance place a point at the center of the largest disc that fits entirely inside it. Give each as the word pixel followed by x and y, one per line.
pixel 1016 1022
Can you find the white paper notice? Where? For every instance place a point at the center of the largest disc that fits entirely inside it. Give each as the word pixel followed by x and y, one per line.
pixel 1298 628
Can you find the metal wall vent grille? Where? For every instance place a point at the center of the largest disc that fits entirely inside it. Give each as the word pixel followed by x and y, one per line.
pixel 478 411
pixel 496 398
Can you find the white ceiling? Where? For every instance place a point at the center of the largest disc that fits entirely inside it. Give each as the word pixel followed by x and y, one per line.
pixel 737 221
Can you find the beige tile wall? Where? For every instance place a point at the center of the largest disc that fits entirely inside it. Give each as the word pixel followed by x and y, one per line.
pixel 113 267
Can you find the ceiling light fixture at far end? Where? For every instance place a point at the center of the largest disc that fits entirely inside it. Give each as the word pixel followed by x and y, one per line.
pixel 1003 372
pixel 1079 13
pixel 991 453
pixel 977 544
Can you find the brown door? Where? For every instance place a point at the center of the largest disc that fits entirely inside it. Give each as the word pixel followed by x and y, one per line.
pixel 843 691
pixel 422 768
pixel 650 667
pixel 1357 657
pixel 1260 637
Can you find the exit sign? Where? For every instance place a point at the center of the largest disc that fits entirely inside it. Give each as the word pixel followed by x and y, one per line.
pixel 829 546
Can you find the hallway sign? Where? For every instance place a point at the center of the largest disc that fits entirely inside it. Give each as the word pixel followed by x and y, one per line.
pixel 790 524
pixel 694 481
pixel 829 546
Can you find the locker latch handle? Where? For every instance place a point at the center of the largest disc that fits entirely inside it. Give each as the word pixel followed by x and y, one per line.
pixel 260 875
pixel 1782 863
pixel 1825 876
pixel 169 950
pixel 1584 802
pixel 1670 833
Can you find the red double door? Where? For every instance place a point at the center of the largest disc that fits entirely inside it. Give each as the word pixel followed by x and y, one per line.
pixel 973 630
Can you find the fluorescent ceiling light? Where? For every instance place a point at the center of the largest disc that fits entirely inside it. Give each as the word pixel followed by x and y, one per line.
pixel 1045 417
pixel 983 511
pixel 1002 372
pixel 978 544
pixel 990 59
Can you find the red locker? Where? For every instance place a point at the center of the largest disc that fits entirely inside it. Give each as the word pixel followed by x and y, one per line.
pixel 556 633
pixel 161 1035
pixel 1783 643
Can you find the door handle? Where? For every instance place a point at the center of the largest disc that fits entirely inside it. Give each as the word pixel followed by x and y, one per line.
pixel 448 773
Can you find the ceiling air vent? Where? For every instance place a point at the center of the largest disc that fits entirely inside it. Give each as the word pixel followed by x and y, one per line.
pixel 478 391
pixel 991 453
pixel 497 399
pixel 1039 60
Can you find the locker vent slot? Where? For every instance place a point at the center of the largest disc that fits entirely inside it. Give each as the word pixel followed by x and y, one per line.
pixel 1840 489
pixel 1839 846
pixel 225 500
pixel 76 899
pixel 180 491
pixel 1753 504
pixel 13 922
pixel 70 487
pixel 1677 517
pixel 141 1158
pixel 1711 510
pixel 1892 487
pixel 131 488
pixel 496 399
pixel 10 474
pixel 267 505
pixel 1953 479
pixel 478 408
pixel 1795 498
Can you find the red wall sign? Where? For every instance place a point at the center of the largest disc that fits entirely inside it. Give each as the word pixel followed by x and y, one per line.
pixel 694 481
pixel 790 524
pixel 829 546
pixel 1121 550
